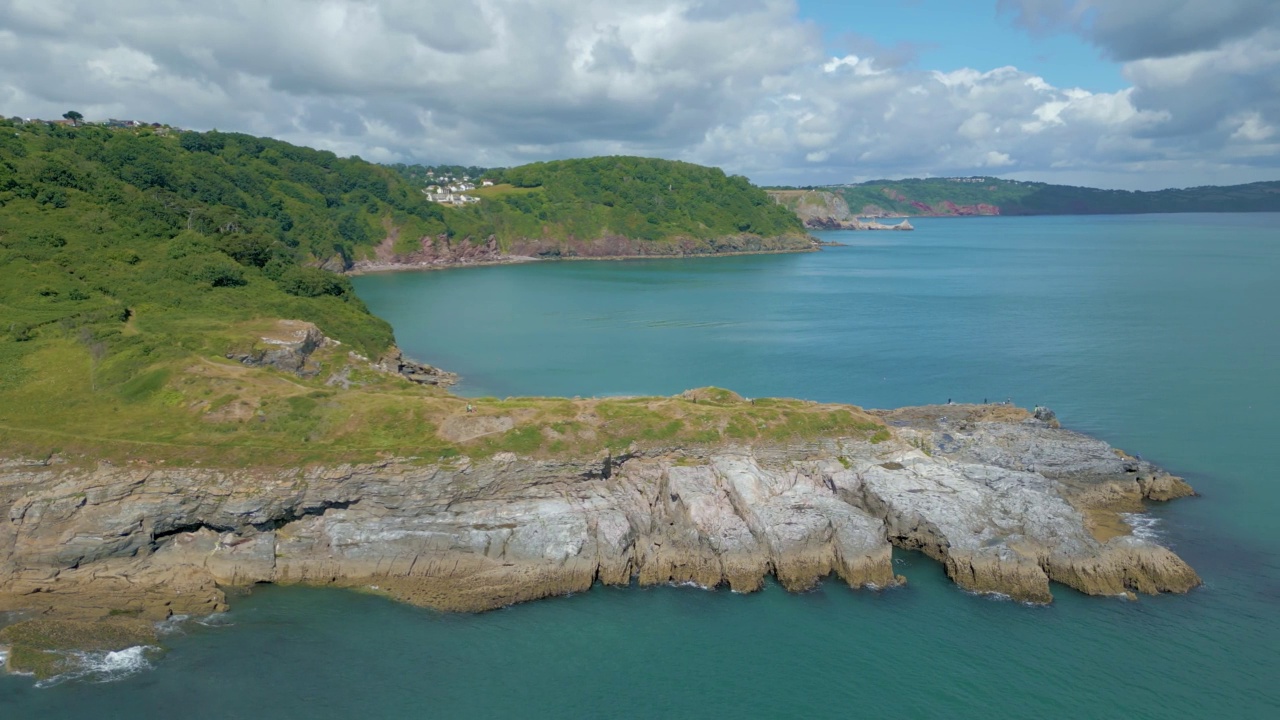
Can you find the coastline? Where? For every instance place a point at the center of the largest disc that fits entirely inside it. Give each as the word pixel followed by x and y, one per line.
pixel 392 267
pixel 476 533
pixel 493 524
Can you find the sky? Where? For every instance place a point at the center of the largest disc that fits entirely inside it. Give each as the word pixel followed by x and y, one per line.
pixel 1134 94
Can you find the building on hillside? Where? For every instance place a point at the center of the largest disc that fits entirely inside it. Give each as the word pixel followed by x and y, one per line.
pixel 449 197
pixel 486 183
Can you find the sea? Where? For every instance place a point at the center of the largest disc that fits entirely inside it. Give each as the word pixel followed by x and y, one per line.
pixel 1158 333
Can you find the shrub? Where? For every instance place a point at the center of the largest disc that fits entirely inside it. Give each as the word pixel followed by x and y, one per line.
pixel 313 282
pixel 219 272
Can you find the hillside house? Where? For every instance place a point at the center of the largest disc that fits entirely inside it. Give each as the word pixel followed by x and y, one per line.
pixel 449 197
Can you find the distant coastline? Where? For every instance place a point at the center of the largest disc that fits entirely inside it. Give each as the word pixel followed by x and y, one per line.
pixel 982 196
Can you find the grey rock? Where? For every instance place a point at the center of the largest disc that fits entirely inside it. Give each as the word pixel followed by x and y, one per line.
pixel 480 534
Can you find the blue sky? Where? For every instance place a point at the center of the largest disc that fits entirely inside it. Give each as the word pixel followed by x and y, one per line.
pixel 947 35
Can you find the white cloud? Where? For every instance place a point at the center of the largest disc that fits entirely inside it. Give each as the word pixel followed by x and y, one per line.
pixel 1252 128
pixel 744 85
pixel 997 159
pixel 855 64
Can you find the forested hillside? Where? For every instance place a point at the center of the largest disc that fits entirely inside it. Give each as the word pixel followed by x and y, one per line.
pixel 640 198
pixel 94 221
pixel 994 196
pixel 143 267
pixel 426 174
pixel 98 224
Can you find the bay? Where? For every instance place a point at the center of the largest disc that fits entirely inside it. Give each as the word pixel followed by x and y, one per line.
pixel 1157 333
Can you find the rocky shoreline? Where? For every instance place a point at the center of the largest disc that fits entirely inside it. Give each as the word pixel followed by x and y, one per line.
pixel 1006 500
pixel 442 252
pixel 821 210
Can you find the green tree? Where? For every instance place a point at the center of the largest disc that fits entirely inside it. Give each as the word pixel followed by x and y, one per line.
pixel 73 116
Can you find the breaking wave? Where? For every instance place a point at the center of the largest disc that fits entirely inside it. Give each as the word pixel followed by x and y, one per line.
pixel 102 667
pixel 1144 526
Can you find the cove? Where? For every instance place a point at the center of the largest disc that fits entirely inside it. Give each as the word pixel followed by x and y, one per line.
pixel 1155 333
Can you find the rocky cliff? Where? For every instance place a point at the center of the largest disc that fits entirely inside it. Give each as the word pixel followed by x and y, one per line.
pixel 821 210
pixel 1006 501
pixel 291 345
pixel 442 251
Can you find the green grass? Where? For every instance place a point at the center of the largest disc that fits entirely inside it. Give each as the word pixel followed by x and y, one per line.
pixel 134 263
pixel 191 407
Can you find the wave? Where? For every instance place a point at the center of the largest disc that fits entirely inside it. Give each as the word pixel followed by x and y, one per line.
pixel 171 625
pixel 1144 526
pixel 689 584
pixel 178 624
pixel 103 667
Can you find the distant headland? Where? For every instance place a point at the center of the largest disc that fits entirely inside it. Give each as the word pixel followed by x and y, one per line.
pixel 984 195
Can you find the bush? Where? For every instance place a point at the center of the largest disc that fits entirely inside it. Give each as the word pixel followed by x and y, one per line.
pixel 219 272
pixel 245 248
pixel 52 196
pixel 313 282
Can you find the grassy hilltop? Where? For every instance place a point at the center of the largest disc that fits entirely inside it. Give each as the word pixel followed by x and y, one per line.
pixel 135 261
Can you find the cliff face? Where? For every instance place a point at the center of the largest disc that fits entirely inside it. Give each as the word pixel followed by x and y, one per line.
pixel 820 210
pixel 1005 501
pixel 443 251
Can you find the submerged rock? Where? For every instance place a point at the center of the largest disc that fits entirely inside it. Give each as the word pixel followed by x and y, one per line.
pixel 1005 501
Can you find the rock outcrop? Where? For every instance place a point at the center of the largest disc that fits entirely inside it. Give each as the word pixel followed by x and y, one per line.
pixel 821 210
pixel 291 345
pixel 287 345
pixel 396 363
pixel 1001 498
pixel 442 251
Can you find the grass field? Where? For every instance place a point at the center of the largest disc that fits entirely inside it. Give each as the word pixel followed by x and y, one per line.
pixel 194 407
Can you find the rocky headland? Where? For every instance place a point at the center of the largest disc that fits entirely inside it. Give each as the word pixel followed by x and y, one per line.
pixel 438 252
pixel 822 210
pixel 1005 499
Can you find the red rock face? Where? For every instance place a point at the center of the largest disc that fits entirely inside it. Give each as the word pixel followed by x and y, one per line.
pixel 433 251
pixel 949 209
pixel 443 251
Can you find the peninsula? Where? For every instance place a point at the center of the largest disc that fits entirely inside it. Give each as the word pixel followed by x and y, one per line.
pixel 190 402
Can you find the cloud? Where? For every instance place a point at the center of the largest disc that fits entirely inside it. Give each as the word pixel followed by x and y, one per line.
pixel 740 84
pixel 863 125
pixel 1136 29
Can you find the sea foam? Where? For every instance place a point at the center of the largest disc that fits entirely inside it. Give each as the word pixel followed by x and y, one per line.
pixel 1144 526
pixel 102 667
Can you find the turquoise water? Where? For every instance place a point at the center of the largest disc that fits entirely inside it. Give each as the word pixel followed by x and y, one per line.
pixel 1159 333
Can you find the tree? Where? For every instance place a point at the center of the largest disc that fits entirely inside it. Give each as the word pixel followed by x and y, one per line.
pixel 73 116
